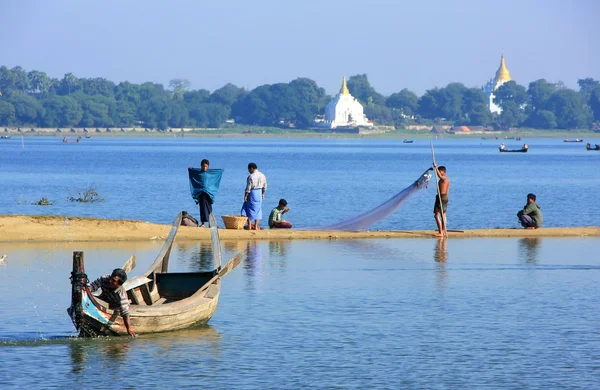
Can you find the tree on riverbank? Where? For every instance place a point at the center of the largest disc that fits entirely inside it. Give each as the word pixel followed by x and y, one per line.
pixel 35 99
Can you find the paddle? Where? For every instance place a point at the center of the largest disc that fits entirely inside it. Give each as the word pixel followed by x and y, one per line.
pixel 437 186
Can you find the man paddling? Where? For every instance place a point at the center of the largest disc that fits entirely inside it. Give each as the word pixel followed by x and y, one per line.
pixel 439 211
pixel 114 294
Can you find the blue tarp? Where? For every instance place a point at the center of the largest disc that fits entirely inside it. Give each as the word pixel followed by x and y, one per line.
pixel 205 181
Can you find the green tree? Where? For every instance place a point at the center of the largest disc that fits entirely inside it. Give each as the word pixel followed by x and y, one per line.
pixel 429 107
pixel 542 119
pixel 587 85
pixel 379 114
pixel 98 86
pixel 98 110
pixel 511 93
pixel 20 79
pixel 539 92
pixel 7 113
pixel 125 114
pixel 570 109
pixel 61 111
pixel 227 95
pixel 155 112
pixel 512 115
pixel 27 108
pixel 7 80
pixel 475 109
pixel 594 102
pixel 406 101
pixel 361 89
pixel 179 86
pixel 69 84
pixel 39 83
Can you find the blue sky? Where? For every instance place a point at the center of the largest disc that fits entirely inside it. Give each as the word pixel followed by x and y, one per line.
pixel 399 44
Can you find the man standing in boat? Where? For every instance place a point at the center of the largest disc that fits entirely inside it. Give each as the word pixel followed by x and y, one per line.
pixel 531 215
pixel 256 186
pixel 114 294
pixel 439 211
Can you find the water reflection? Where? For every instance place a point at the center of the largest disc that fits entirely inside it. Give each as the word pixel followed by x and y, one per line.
pixel 529 248
pixel 115 351
pixel 198 255
pixel 278 248
pixel 440 256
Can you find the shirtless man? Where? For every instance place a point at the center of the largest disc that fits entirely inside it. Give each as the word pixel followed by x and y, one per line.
pixel 444 189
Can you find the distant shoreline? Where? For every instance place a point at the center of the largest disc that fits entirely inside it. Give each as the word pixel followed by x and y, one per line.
pixel 36 228
pixel 273 132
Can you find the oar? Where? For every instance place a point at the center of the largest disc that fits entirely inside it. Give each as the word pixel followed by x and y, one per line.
pixel 437 185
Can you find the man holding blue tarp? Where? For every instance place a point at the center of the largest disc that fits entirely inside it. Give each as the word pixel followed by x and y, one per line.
pixel 204 184
pixel 256 186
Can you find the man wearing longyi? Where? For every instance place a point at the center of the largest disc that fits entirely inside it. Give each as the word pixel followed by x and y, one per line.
pixel 256 186
pixel 439 211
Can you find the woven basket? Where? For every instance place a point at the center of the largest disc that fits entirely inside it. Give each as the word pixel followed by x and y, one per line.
pixel 234 222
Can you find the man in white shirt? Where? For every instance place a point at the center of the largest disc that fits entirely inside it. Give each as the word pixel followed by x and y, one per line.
pixel 256 186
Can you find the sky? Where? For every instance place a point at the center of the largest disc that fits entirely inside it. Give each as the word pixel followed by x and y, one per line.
pixel 399 44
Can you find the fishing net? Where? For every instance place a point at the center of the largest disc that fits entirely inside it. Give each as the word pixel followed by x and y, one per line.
pixel 382 211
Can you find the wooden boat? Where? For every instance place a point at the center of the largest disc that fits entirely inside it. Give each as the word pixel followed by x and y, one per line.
pixel 160 301
pixel 67 141
pixel 524 149
pixel 408 141
pixel 4 136
pixel 573 140
pixel 589 147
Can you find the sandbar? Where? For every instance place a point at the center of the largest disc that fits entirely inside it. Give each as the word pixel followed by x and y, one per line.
pixel 27 228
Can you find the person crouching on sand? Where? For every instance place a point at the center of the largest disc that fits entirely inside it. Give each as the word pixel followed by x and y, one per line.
pixel 531 215
pixel 275 218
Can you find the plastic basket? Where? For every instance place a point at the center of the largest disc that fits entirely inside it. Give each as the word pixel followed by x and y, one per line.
pixel 234 222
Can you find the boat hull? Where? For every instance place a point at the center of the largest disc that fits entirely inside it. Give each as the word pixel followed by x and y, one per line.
pixel 96 320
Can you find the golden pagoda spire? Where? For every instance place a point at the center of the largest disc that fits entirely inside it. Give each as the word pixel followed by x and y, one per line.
pixel 502 75
pixel 344 90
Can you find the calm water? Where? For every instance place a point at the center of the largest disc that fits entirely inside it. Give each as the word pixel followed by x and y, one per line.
pixel 324 180
pixel 404 313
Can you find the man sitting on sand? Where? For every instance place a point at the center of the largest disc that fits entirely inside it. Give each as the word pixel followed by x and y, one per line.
pixel 114 294
pixel 275 218
pixel 531 215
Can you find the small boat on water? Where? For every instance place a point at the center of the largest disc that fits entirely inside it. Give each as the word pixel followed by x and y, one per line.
pixel 4 136
pixel 573 140
pixel 160 301
pixel 590 147
pixel 408 141
pixel 524 149
pixel 68 141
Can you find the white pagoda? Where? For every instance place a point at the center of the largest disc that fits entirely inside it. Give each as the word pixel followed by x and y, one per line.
pixel 502 76
pixel 344 111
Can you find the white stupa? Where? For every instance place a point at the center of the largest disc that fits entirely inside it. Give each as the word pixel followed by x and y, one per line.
pixel 502 76
pixel 344 111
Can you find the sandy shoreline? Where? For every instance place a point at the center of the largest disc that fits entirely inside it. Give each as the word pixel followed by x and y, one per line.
pixel 24 228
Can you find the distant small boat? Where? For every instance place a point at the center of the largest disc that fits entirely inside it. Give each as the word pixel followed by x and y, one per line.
pixel 408 141
pixel 595 147
pixel 67 141
pixel 524 149
pixel 4 136
pixel 573 140
pixel 509 137
pixel 518 139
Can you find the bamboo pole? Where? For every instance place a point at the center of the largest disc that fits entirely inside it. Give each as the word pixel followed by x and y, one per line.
pixel 437 186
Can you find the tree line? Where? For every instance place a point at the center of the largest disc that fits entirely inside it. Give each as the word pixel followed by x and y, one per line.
pixel 35 99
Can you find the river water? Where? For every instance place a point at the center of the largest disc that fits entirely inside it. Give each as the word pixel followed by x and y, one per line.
pixel 323 180
pixel 396 313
